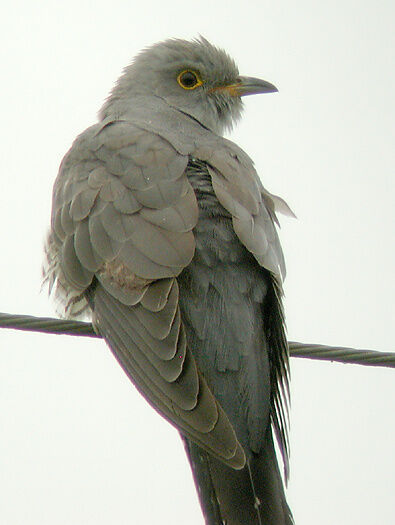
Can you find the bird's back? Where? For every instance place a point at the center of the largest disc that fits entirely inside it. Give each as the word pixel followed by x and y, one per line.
pixel 222 293
pixel 222 298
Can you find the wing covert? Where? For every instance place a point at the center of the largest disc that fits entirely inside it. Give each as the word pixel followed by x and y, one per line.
pixel 239 190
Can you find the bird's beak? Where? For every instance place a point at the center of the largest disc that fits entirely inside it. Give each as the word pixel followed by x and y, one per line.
pixel 247 86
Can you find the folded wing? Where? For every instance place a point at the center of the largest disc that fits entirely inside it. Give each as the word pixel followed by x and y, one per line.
pixel 123 214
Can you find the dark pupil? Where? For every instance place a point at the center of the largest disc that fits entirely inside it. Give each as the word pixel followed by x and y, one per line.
pixel 189 79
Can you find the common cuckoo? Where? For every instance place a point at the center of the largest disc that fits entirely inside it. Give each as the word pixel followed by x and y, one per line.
pixel 162 230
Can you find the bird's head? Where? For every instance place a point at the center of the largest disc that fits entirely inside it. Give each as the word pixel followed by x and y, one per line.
pixel 193 77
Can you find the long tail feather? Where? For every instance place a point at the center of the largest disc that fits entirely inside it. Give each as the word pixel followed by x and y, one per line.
pixel 251 496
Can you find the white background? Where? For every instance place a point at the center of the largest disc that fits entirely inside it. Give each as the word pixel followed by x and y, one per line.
pixel 78 446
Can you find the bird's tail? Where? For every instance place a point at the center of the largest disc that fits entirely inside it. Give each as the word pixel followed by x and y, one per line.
pixel 251 496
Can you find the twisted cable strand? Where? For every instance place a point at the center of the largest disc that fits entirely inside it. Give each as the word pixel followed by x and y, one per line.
pixel 340 354
pixel 47 325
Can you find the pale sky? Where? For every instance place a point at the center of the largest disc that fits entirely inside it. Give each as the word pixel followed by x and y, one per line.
pixel 78 445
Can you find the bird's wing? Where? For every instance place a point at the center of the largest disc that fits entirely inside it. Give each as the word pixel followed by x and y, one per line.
pixel 253 210
pixel 123 214
pixel 239 190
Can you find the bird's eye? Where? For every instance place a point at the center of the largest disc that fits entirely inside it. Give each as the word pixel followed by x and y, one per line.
pixel 189 79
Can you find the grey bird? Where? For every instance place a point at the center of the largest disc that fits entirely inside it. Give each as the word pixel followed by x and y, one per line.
pixel 162 230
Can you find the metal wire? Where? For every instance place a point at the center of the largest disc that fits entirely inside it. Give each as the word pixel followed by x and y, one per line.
pixel 50 325
pixel 47 325
pixel 342 354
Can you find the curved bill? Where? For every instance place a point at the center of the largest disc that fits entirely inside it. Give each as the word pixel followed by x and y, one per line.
pixel 247 86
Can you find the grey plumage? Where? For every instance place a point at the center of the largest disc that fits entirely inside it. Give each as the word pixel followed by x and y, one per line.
pixel 162 229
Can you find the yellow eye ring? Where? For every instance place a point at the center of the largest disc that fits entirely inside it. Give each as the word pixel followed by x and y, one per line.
pixel 189 79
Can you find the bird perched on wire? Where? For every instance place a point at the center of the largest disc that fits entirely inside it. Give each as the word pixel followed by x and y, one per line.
pixel 162 229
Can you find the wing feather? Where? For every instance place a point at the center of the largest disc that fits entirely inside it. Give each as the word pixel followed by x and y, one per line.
pixel 123 214
pixel 206 423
